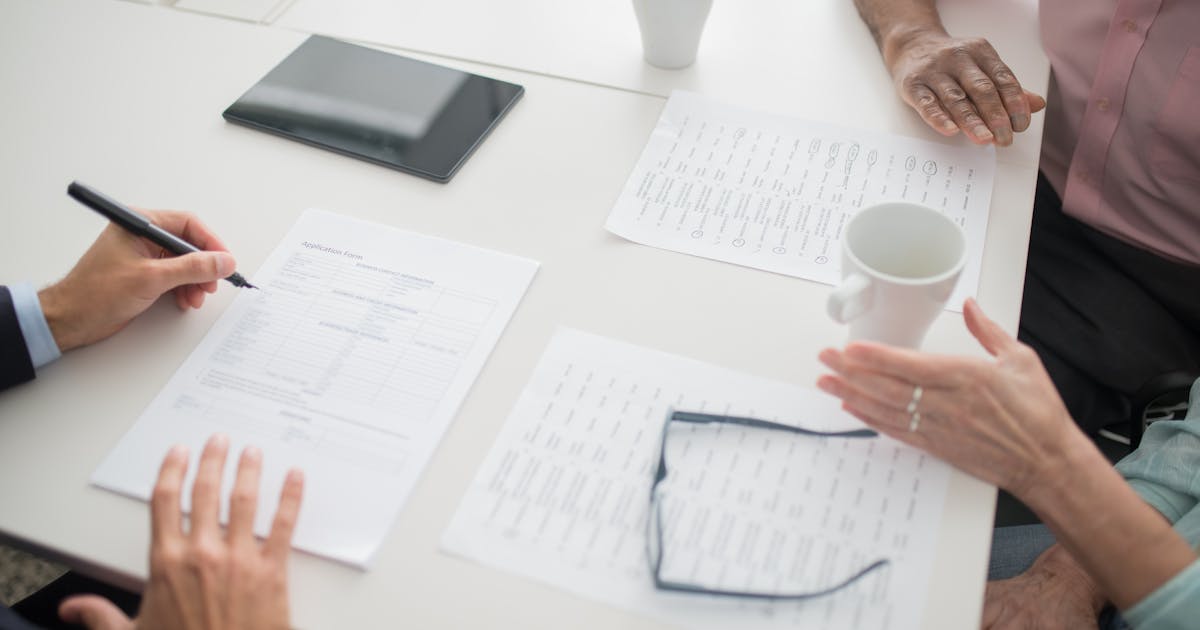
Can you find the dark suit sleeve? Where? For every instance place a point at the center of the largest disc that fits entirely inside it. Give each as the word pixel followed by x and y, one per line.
pixel 15 365
pixel 9 620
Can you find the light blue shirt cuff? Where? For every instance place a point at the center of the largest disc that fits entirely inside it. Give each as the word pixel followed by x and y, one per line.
pixel 32 321
pixel 1173 606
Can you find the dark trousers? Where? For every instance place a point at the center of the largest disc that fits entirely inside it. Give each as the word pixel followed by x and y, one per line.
pixel 1103 315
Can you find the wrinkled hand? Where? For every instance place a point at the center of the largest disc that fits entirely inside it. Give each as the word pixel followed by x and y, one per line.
pixel 1000 420
pixel 956 83
pixel 121 275
pixel 202 579
pixel 1054 594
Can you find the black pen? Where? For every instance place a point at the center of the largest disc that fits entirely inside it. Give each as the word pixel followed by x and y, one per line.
pixel 139 225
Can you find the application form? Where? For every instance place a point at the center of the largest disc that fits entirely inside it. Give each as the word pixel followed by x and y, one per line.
pixel 350 363
pixel 773 192
pixel 563 496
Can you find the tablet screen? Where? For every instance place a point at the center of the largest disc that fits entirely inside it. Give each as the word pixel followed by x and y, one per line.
pixel 414 116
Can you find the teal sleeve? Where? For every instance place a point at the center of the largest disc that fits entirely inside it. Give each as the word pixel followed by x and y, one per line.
pixel 1163 469
pixel 1173 606
pixel 1164 472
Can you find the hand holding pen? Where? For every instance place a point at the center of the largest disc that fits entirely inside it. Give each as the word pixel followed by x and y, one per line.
pixel 138 225
pixel 121 275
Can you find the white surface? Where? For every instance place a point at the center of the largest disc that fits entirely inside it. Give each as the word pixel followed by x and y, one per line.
pixel 562 497
pixel 811 58
pixel 774 192
pixel 140 118
pixel 349 362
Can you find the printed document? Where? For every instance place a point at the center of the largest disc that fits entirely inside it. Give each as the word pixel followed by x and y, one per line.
pixel 563 495
pixel 773 192
pixel 349 363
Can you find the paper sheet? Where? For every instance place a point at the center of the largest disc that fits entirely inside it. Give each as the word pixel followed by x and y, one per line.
pixel 562 497
pixel 773 192
pixel 349 363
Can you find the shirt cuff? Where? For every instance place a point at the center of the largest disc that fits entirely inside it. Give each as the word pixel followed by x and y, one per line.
pixel 1172 605
pixel 31 320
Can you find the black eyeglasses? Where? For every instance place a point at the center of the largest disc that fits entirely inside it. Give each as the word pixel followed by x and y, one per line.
pixel 654 529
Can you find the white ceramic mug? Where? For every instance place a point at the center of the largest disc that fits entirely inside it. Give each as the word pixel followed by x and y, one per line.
pixel 671 30
pixel 900 262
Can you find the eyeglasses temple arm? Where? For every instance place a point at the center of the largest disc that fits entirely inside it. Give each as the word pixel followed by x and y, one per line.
pixel 706 418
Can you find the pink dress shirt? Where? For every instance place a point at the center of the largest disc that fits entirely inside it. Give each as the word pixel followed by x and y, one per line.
pixel 1122 134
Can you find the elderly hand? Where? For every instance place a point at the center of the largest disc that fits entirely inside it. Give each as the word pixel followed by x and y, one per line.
pixel 1000 420
pixel 956 83
pixel 121 275
pixel 203 579
pixel 1054 593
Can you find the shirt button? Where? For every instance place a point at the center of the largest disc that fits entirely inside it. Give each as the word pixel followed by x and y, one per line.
pixel 1130 25
pixel 1102 104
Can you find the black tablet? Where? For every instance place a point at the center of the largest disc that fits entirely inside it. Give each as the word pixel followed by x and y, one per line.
pixel 410 115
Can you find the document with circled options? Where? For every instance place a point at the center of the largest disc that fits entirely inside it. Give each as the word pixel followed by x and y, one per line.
pixel 773 192
pixel 349 363
pixel 563 495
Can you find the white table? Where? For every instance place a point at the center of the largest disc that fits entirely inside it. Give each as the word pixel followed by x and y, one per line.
pixel 811 58
pixel 129 97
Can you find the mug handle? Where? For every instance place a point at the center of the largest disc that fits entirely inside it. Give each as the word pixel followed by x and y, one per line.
pixel 850 299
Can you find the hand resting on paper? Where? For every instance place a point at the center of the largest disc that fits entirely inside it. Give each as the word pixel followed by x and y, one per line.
pixel 954 83
pixel 121 275
pixel 961 83
pixel 202 578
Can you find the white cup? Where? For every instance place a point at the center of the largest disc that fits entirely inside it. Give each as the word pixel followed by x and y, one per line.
pixel 900 262
pixel 671 30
